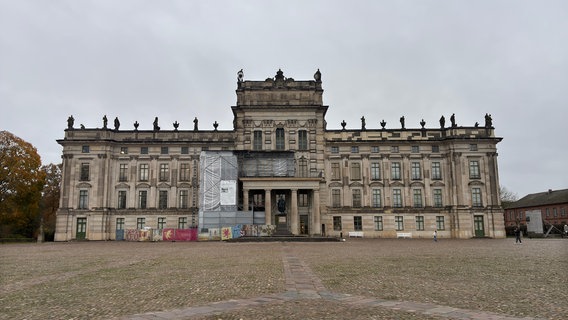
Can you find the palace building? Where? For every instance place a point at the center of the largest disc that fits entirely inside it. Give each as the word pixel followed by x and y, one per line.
pixel 281 165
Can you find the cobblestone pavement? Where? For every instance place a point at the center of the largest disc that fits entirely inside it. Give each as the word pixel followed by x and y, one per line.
pixel 358 279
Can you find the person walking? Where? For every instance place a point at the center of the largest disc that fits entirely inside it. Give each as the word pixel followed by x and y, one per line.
pixel 435 235
pixel 518 235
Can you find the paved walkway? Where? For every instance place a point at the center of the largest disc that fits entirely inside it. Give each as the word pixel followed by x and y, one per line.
pixel 303 284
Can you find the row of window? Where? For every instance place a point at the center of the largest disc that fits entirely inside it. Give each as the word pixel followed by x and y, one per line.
pixel 280 140
pixel 143 172
pixel 142 200
pixel 378 223
pixel 547 212
pixel 396 170
pixel 397 198
pixel 356 197
pixel 143 150
pixel 141 223
pixel 396 149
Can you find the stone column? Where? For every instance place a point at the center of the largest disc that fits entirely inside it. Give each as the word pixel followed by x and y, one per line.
pixel 294 212
pixel 316 228
pixel 245 199
pixel 267 207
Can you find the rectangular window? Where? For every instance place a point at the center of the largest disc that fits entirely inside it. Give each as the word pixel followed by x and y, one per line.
pixel 303 199
pixel 377 203
pixel 164 150
pixel 161 222
pixel 357 223
pixel 334 149
pixel 394 149
pixel 415 149
pixel 476 197
pixel 303 167
pixel 420 223
pixel 85 149
pixel 436 171
pixel 336 198
pixel 335 171
pixel 474 169
pixel 473 147
pixel 356 193
pixel 119 223
pixel 416 172
pixel 164 172
pixel 435 148
pixel 554 212
pixel 142 199
pixel 440 225
pixel 144 171
pixel 437 198
pixel 280 141
pixel 417 197
pixel 123 172
pixel 399 223
pixel 140 223
pixel 163 199
pixel 84 172
pixel 547 213
pixel 375 149
pixel 303 140
pixel 122 199
pixel 123 150
pixel 182 222
pixel 184 150
pixel 184 199
pixel 397 198
pixel 375 171
pixel 354 149
pixel 395 171
pixel 337 223
pixel 83 199
pixel 355 171
pixel 184 171
pixel 378 223
pixel 257 140
pixel 143 150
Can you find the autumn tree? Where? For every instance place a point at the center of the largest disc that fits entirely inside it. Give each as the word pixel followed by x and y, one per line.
pixel 50 198
pixel 21 183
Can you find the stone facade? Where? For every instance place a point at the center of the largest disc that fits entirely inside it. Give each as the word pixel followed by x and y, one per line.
pixel 380 182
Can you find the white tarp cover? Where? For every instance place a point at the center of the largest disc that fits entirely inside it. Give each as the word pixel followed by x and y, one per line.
pixel 216 167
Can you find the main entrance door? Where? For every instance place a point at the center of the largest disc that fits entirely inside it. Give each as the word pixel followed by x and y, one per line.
pixel 478 226
pixel 81 228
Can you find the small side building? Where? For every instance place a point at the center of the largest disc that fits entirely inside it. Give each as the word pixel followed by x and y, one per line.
pixel 551 206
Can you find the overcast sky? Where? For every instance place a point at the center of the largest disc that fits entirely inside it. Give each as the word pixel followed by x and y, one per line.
pixel 380 59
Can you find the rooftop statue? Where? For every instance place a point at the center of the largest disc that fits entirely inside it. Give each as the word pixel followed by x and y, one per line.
pixel 136 124
pixel 116 124
pixel 363 124
pixel 240 76
pixel 442 122
pixel 453 120
pixel 105 121
pixel 488 121
pixel 156 127
pixel 343 124
pixel 422 123
pixel 70 122
pixel 215 125
pixel 383 124
pixel 195 122
pixel 176 125
pixel 317 76
pixel 402 122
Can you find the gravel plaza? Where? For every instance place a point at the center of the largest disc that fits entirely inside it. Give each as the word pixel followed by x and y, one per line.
pixel 355 279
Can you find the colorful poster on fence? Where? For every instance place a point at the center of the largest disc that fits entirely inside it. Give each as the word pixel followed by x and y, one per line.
pixel 131 234
pixel 169 234
pixel 226 233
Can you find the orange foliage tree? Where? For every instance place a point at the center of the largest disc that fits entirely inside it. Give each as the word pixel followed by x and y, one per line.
pixel 21 184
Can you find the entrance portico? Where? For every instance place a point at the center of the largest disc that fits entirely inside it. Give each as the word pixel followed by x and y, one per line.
pixel 288 188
